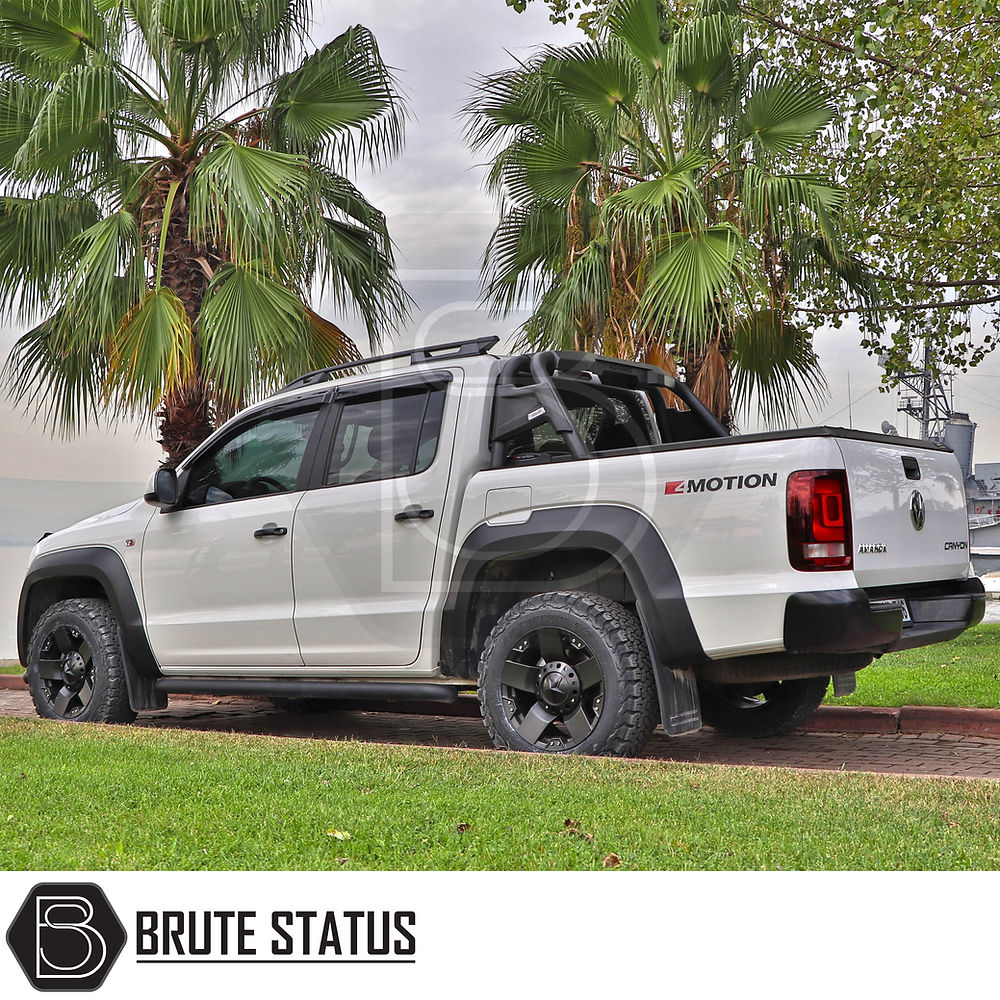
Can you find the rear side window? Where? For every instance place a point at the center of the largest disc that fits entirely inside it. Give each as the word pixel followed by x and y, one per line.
pixel 386 436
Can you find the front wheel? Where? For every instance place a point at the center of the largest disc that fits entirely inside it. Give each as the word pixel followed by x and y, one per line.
pixel 568 673
pixel 75 669
pixel 761 709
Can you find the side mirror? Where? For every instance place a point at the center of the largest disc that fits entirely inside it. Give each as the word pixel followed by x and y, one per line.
pixel 162 489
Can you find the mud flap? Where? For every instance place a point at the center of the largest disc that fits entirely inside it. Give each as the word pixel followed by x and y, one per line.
pixel 680 706
pixel 844 684
pixel 142 693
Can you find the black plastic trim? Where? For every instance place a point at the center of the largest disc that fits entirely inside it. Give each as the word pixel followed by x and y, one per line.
pixel 294 688
pixel 390 384
pixel 837 621
pixel 843 621
pixel 628 538
pixel 105 566
pixel 787 435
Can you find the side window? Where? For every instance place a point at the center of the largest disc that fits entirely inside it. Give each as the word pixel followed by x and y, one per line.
pixel 385 436
pixel 262 458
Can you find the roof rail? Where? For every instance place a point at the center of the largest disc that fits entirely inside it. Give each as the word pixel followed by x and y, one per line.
pixel 417 356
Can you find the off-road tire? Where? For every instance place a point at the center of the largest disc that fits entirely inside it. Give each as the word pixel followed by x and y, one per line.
pixel 613 637
pixel 89 625
pixel 762 709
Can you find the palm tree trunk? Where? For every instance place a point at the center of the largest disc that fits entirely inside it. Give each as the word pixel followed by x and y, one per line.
pixel 187 415
pixel 185 421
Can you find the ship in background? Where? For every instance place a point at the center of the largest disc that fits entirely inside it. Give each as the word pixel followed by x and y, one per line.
pixel 927 397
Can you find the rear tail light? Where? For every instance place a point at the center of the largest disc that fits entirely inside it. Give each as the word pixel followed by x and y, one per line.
pixel 819 520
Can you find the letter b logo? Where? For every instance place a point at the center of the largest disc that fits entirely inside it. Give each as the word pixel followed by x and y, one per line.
pixel 66 936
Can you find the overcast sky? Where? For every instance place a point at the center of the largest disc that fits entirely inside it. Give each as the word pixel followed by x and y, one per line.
pixel 440 220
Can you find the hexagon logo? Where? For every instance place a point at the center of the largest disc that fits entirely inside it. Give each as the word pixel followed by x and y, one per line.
pixel 66 936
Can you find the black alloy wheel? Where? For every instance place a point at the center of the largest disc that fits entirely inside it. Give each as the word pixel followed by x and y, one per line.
pixel 75 667
pixel 568 672
pixel 66 671
pixel 552 689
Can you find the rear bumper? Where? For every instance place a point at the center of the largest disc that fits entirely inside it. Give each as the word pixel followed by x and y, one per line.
pixel 844 621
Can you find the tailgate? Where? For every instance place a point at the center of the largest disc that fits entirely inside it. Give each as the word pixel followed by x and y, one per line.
pixel 908 511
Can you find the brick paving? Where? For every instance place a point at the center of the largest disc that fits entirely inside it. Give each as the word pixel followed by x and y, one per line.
pixel 886 753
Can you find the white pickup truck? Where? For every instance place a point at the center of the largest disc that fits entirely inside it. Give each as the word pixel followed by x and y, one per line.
pixel 575 536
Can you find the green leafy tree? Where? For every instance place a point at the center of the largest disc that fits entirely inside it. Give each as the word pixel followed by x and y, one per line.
pixel 650 198
pixel 173 190
pixel 920 87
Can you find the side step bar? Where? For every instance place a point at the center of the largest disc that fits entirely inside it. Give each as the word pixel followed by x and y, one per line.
pixel 349 690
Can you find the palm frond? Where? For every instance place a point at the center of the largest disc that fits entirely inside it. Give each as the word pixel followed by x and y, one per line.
pixel 55 379
pixel 359 275
pixel 254 333
pixel 242 197
pixel 104 278
pixel 513 103
pixel 703 54
pixel 637 24
pixel 342 98
pixel 150 354
pixel 71 132
pixel 691 283
pixel 599 80
pixel 34 235
pixel 572 314
pixel 327 344
pixel 668 202
pixel 526 250
pixel 52 31
pixel 783 201
pixel 198 24
pixel 551 167
pixel 784 110
pixel 775 369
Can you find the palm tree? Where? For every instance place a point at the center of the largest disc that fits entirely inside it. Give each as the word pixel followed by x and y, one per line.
pixel 173 188
pixel 649 208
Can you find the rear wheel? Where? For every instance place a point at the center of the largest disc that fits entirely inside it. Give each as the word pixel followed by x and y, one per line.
pixel 568 673
pixel 75 669
pixel 760 709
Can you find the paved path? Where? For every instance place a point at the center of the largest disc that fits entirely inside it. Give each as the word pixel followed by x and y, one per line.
pixel 896 753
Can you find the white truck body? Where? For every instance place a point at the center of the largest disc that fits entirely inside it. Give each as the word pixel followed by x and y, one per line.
pixel 379 577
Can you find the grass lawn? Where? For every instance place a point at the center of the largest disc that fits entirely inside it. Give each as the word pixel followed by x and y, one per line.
pixel 964 672
pixel 10 667
pixel 101 797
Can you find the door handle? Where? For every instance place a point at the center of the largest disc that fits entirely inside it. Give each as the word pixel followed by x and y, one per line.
pixel 270 529
pixel 414 514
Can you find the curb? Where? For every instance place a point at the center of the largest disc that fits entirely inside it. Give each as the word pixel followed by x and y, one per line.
pixel 910 719
pixel 850 719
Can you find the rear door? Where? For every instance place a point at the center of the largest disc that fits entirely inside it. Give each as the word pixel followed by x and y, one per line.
pixel 908 511
pixel 366 537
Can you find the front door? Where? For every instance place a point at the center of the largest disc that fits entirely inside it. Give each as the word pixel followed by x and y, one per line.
pixel 217 573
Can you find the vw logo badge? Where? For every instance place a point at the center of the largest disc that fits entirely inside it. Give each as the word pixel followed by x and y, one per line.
pixel 917 512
